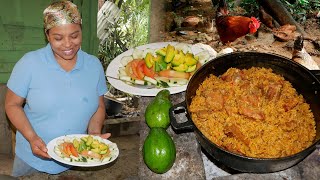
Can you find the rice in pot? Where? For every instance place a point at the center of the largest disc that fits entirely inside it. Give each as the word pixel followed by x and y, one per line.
pixel 253 112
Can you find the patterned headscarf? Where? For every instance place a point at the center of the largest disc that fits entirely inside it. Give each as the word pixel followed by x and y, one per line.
pixel 60 13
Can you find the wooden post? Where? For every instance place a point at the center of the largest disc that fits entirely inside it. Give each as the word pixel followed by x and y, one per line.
pixel 157 10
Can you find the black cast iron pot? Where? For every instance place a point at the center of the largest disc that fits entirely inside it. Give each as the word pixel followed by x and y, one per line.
pixel 303 80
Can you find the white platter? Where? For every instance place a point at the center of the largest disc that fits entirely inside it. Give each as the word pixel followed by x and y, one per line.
pixel 115 64
pixel 113 148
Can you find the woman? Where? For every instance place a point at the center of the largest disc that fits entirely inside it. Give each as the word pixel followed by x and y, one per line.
pixel 54 91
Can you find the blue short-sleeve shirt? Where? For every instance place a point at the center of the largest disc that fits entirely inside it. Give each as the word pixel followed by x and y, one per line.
pixel 57 102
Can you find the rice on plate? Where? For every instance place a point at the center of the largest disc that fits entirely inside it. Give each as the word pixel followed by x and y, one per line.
pixel 253 112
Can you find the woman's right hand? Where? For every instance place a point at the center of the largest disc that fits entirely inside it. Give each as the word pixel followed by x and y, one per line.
pixel 38 147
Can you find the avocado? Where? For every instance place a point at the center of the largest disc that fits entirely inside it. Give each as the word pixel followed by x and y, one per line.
pixel 170 53
pixel 149 60
pixel 159 151
pixel 190 60
pixel 181 68
pixel 159 63
pixel 178 59
pixel 157 112
pixel 162 51
pixel 191 68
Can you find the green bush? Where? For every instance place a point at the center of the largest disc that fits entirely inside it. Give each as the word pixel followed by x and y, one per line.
pixel 131 30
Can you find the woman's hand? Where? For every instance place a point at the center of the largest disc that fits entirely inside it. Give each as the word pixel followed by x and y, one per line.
pixel 38 147
pixel 97 120
pixel 104 136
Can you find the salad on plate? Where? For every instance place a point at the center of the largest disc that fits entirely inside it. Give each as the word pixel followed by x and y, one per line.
pixel 82 149
pixel 168 66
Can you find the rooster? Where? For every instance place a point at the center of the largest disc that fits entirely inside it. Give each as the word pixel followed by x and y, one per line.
pixel 231 28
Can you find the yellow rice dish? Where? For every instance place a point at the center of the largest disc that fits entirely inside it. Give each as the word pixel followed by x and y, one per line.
pixel 253 112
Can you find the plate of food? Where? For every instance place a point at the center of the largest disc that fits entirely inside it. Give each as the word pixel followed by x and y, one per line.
pixel 83 150
pixel 147 69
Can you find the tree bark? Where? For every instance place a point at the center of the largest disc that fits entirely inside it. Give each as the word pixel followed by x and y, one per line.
pixel 276 9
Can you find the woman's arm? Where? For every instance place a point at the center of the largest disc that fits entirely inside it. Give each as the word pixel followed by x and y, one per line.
pixel 97 120
pixel 15 113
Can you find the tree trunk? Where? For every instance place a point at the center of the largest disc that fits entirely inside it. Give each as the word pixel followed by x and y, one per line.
pixel 276 9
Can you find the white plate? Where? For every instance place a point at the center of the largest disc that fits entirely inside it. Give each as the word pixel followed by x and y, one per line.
pixel 115 64
pixel 113 148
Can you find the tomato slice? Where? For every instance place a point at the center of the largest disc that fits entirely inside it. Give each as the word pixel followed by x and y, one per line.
pixel 174 74
pixel 73 150
pixel 129 70
pixel 134 64
pixel 148 71
pixel 139 69
pixel 64 149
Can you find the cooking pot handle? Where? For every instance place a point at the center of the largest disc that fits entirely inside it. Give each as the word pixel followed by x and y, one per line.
pixel 186 126
pixel 316 73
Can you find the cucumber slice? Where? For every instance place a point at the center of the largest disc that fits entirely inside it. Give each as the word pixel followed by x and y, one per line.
pixel 172 82
pixel 162 82
pixel 173 85
pixel 125 60
pixel 122 71
pixel 139 82
pixel 178 81
pixel 225 51
pixel 149 79
pixel 203 56
pixel 125 78
pixel 184 47
pixel 208 48
pixel 137 54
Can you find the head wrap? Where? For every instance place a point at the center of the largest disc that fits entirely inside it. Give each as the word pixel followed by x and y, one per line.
pixel 60 13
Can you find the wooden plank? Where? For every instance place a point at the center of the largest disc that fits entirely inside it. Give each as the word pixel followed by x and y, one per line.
pixel 4 77
pixel 10 56
pixel 24 12
pixel 89 11
pixel 21 29
pixel 6 67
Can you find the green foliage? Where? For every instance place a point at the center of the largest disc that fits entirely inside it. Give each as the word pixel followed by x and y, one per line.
pixel 301 8
pixel 251 7
pixel 131 30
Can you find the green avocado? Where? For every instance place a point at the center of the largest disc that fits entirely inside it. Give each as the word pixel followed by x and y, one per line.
pixel 190 60
pixel 191 68
pixel 159 151
pixel 178 59
pixel 159 63
pixel 170 53
pixel 149 60
pixel 181 68
pixel 157 111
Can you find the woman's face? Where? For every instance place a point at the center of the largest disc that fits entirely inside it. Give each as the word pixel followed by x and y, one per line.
pixel 65 41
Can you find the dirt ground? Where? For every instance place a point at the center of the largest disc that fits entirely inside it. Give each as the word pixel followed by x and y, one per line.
pixel 180 28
